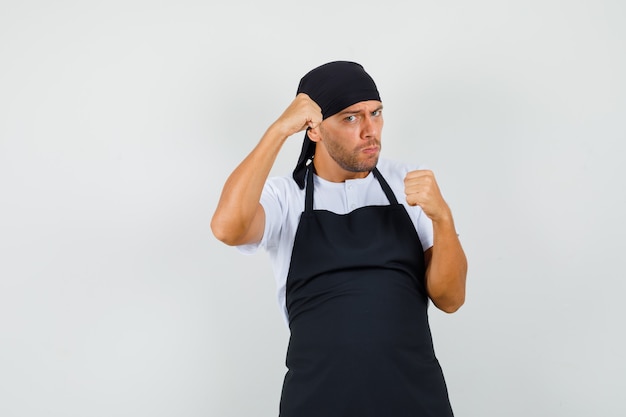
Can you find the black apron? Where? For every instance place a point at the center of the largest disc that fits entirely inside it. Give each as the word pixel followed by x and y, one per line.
pixel 360 342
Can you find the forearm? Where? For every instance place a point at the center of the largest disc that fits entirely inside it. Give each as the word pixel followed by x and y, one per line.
pixel 447 267
pixel 240 197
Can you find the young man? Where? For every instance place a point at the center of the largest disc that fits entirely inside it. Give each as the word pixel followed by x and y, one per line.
pixel 359 245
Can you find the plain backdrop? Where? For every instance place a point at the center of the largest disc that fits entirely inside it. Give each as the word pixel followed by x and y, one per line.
pixel 121 120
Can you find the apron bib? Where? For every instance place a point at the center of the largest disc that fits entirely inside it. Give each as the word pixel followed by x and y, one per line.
pixel 360 343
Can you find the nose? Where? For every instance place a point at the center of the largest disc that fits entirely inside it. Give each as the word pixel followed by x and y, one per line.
pixel 369 127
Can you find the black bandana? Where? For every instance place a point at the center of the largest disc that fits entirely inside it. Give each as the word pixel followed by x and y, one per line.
pixel 333 86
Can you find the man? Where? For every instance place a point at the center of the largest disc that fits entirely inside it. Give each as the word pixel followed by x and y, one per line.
pixel 359 245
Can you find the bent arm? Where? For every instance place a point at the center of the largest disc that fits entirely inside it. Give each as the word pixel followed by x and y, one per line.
pixel 239 217
pixel 446 264
pixel 446 267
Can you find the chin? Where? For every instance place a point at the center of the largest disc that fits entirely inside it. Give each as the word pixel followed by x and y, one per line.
pixel 367 166
pixel 372 163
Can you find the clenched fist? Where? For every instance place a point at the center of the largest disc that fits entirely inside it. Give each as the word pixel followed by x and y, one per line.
pixel 421 189
pixel 302 113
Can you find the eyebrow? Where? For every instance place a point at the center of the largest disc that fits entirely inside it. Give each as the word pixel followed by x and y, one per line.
pixel 341 113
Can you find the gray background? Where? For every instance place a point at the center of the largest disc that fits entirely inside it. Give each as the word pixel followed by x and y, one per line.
pixel 120 121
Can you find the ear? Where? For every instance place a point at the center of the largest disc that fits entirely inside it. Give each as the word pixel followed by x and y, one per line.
pixel 314 134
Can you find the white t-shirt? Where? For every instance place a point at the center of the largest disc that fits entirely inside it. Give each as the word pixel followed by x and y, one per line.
pixel 283 202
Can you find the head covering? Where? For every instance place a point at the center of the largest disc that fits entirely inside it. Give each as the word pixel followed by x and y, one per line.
pixel 333 86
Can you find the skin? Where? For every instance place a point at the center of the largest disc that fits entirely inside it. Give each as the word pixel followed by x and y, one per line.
pixel 348 147
pixel 350 142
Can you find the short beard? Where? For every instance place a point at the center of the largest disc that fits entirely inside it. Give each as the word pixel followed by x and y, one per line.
pixel 350 161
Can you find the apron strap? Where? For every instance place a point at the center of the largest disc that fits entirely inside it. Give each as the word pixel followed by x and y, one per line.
pixel 386 188
pixel 308 199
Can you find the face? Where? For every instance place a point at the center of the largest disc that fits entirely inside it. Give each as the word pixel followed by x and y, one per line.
pixel 350 138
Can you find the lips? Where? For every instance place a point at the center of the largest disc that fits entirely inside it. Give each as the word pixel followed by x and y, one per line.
pixel 371 149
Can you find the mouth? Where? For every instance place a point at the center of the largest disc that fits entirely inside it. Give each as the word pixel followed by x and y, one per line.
pixel 371 149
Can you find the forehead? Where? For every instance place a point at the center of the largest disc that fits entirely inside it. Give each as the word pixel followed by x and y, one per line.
pixel 363 106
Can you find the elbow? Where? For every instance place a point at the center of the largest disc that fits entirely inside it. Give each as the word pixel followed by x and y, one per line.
pixel 222 233
pixel 448 294
pixel 452 307
pixel 235 231
pixel 449 304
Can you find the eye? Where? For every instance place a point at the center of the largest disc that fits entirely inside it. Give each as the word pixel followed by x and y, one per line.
pixel 351 118
pixel 377 112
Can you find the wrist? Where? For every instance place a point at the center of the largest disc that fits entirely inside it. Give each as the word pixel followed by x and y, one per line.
pixel 444 220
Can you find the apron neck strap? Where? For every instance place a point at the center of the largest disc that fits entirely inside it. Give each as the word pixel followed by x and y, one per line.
pixel 308 199
pixel 386 188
